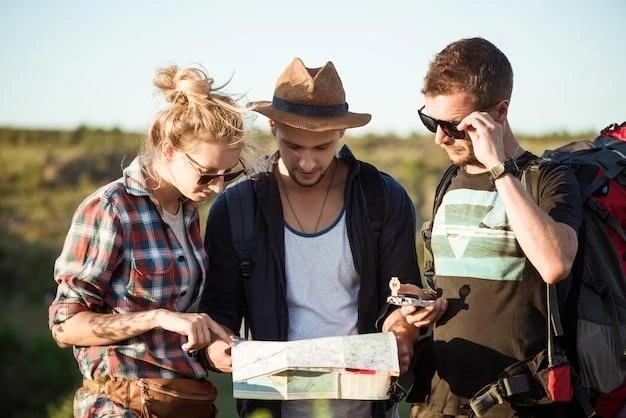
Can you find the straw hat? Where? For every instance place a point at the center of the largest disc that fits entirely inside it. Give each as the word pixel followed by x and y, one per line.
pixel 311 99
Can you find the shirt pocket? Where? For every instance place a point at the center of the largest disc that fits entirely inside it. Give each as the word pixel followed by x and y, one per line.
pixel 152 281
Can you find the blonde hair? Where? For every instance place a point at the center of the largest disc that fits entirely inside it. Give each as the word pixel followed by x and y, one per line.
pixel 196 111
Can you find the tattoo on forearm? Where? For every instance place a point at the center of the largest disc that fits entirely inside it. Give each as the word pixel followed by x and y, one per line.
pixel 118 327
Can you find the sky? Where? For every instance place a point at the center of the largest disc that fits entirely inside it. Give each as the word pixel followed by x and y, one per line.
pixel 68 63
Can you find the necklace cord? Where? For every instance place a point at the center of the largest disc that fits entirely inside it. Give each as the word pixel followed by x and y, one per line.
pixel 319 217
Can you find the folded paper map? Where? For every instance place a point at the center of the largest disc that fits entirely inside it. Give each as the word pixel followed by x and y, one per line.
pixel 351 367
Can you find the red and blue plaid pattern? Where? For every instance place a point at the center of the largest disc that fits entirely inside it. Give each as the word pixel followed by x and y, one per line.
pixel 119 256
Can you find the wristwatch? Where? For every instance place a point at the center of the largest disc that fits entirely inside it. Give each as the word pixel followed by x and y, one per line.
pixel 509 166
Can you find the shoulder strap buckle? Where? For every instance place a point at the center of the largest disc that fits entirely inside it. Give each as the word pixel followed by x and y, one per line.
pixel 497 392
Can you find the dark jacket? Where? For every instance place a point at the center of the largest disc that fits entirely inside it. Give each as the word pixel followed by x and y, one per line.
pixel 262 297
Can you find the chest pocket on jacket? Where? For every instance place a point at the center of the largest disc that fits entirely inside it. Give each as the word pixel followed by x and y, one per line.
pixel 152 280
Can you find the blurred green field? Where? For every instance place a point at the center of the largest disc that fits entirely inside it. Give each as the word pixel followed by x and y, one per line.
pixel 44 174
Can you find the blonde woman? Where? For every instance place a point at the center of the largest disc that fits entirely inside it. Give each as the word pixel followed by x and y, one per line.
pixel 133 263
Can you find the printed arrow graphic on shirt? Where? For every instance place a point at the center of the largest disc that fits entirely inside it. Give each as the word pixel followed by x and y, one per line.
pixel 459 243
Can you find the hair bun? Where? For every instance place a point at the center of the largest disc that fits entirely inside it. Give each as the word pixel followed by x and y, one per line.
pixel 196 107
pixel 164 81
pixel 188 86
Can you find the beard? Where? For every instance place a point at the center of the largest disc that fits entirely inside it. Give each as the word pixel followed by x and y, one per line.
pixel 464 157
pixel 296 180
pixel 295 177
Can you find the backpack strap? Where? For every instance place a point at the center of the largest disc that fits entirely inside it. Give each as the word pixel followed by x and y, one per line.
pixel 496 393
pixel 613 163
pixel 443 186
pixel 240 203
pixel 374 192
pixel 427 227
pixel 606 217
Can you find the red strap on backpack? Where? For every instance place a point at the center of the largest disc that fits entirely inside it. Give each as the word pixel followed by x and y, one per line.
pixel 559 378
pixel 615 131
pixel 609 405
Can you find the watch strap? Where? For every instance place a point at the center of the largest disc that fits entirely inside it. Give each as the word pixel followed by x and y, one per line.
pixel 509 166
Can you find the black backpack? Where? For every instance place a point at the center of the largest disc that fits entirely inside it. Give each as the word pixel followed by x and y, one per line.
pixel 593 330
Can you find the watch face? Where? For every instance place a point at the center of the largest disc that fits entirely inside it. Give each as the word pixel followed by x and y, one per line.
pixel 509 166
pixel 497 171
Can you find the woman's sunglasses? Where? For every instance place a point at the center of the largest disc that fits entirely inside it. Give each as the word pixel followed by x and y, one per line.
pixel 206 178
pixel 449 128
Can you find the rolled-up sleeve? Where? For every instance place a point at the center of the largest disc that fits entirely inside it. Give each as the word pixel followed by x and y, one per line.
pixel 90 254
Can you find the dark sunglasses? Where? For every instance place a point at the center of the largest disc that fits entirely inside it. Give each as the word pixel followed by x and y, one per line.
pixel 448 127
pixel 206 178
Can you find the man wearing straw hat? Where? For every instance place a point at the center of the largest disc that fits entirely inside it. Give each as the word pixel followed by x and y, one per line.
pixel 318 266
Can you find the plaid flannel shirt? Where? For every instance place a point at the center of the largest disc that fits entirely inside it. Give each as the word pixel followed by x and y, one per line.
pixel 119 256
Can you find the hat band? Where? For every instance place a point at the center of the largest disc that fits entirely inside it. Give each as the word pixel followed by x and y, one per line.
pixel 309 110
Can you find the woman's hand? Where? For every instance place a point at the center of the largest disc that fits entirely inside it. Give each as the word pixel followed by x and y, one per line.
pixel 219 355
pixel 199 328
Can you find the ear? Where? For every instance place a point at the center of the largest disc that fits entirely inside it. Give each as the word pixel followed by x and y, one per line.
pixel 168 150
pixel 272 127
pixel 502 110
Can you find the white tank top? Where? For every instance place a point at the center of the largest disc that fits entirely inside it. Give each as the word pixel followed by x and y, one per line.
pixel 322 294
pixel 322 283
